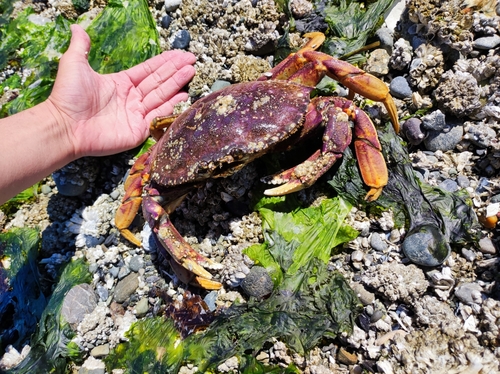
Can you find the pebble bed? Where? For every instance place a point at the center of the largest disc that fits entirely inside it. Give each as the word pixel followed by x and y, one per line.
pixel 439 60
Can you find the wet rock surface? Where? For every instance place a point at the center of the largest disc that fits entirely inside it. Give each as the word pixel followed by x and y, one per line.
pixel 413 316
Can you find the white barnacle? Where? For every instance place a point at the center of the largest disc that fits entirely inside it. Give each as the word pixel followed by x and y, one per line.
pixel 224 104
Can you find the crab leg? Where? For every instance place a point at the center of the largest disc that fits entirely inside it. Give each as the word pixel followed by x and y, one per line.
pixel 173 242
pixel 336 138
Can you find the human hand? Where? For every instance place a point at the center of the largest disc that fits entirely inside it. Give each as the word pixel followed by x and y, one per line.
pixel 106 114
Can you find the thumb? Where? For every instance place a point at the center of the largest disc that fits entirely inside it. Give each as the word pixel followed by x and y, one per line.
pixel 79 45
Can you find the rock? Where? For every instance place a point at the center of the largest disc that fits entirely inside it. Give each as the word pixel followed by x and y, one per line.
pixel 219 85
pixel 435 121
pixel 346 358
pixel 126 287
pixel 486 246
pixel 364 296
pixel 78 302
pixel 136 263
pixel 142 307
pixel 469 293
pixel 412 130
pixel 444 140
pixel 385 35
pixel 46 189
pixel 165 21
pixel 378 62
pixel 74 178
pixel 100 351
pixel 257 282
pixel 449 185
pixel 172 5
pixel 181 40
pixel 377 243
pixel 400 88
pixel 487 42
pixel 426 246
pixel 92 366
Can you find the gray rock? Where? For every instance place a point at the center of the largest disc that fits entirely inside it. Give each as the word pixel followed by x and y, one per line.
pixel 165 21
pixel 92 366
pixel 400 88
pixel 469 293
pixel 100 351
pixel 181 40
pixel 257 283
pixel 172 5
pixel 123 272
pixel 486 246
pixel 219 85
pixel 469 254
pixel 487 42
pixel 463 181
pixel 142 307
pixel 136 263
pixel 366 297
pixel 78 302
pixel 444 140
pixel 102 292
pixel 435 121
pixel 385 35
pixel 377 243
pixel 126 287
pixel 449 185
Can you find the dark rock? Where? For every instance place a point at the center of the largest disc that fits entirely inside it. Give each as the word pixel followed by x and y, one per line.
pixel 257 283
pixel 181 39
pixel 165 21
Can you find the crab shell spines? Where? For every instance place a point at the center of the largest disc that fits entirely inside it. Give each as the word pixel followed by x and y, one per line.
pixel 227 129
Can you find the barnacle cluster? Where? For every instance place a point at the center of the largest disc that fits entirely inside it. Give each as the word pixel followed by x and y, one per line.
pixel 458 93
pixel 401 55
pixel 444 21
pixel 426 69
pixel 222 30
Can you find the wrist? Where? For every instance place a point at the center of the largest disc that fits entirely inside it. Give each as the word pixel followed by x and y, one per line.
pixel 62 130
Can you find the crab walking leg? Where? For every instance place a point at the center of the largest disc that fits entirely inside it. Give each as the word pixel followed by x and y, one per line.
pixel 357 81
pixel 132 199
pixel 369 155
pixel 173 242
pixel 336 138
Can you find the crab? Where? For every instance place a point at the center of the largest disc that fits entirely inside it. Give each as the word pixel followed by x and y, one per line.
pixel 224 131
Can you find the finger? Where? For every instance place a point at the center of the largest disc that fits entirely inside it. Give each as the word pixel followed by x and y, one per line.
pixel 79 45
pixel 170 60
pixel 168 89
pixel 166 108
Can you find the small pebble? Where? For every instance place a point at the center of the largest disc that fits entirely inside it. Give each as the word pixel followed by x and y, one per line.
pixel 181 39
pixel 136 263
pixel 142 307
pixel 46 189
pixel 469 254
pixel 346 357
pixel 219 84
pixel 449 185
pixel 100 351
pixel 463 181
pixel 165 21
pixel 486 246
pixel 172 5
pixel 386 37
pixel 487 42
pixel 400 88
pixel 126 287
pixel 444 140
pixel 412 129
pixel 357 256
pixel 123 272
pixel 435 121
pixel 257 283
pixel 378 62
pixel 366 297
pixel 469 293
pixel 377 243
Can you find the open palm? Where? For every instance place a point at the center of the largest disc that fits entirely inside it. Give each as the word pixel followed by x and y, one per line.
pixel 106 114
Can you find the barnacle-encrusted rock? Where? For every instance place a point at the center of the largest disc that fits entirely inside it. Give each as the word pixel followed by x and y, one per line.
pixel 248 68
pixel 397 281
pixel 458 94
pixel 401 55
pixel 426 69
pixel 444 20
pixel 456 351
pixel 300 8
pixel 220 30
